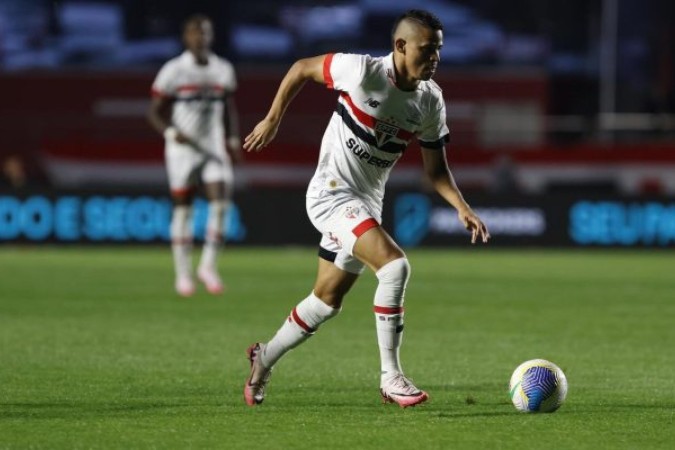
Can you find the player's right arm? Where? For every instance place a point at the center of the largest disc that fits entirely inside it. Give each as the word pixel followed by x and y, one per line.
pixel 159 116
pixel 441 178
pixel 159 113
pixel 301 71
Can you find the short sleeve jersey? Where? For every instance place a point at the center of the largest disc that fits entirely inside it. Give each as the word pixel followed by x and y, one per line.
pixel 198 92
pixel 373 123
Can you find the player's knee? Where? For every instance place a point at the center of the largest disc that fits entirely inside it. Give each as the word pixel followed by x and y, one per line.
pixel 182 197
pixel 395 272
pixel 181 213
pixel 331 297
pixel 218 207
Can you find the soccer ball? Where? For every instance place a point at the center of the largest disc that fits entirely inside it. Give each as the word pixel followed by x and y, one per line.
pixel 538 386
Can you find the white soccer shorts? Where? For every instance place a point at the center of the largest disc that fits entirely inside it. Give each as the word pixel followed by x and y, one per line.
pixel 341 218
pixel 185 166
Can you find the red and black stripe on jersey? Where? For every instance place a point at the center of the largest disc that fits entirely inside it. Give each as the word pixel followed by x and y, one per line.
pixel 194 92
pixel 370 123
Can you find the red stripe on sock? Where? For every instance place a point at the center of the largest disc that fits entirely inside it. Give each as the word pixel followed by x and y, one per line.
pixel 388 310
pixel 299 321
pixel 365 226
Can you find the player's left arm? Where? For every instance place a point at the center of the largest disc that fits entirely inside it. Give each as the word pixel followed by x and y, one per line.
pixel 440 176
pixel 231 122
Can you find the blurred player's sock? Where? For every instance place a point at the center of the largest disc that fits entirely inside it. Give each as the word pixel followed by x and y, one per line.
pixel 185 286
pixel 302 323
pixel 389 296
pixel 207 270
pixel 181 246
pixel 211 279
pixel 214 233
pixel 209 253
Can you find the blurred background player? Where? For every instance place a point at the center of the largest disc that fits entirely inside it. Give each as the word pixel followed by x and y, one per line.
pixel 384 103
pixel 13 173
pixel 17 175
pixel 191 100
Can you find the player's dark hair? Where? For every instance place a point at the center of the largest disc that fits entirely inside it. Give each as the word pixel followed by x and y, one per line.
pixel 195 18
pixel 420 16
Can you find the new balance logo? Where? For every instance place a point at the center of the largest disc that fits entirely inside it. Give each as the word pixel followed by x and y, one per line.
pixel 372 102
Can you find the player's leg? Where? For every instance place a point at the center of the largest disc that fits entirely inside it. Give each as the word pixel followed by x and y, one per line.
pixel 180 166
pixel 379 251
pixel 181 240
pixel 323 303
pixel 217 194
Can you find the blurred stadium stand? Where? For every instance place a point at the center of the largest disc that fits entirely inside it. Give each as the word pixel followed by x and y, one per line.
pixel 524 83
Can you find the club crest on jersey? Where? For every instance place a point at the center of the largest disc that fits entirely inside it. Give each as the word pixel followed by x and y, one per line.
pixel 384 132
pixel 351 212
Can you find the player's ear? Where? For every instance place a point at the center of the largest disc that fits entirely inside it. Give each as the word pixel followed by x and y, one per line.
pixel 399 45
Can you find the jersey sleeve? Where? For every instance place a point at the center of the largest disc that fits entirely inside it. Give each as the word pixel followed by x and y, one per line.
pixel 344 71
pixel 229 77
pixel 435 132
pixel 164 84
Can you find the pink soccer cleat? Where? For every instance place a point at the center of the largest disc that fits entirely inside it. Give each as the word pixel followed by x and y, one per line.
pixel 185 287
pixel 254 389
pixel 211 279
pixel 399 389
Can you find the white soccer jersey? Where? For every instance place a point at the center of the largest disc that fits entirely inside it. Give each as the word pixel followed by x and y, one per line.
pixel 372 125
pixel 198 92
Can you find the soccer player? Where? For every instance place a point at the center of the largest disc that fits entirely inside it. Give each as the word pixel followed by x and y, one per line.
pixel 191 101
pixel 383 103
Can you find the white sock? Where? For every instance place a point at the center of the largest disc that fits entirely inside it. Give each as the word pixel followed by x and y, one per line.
pixel 181 240
pixel 389 297
pixel 300 325
pixel 214 230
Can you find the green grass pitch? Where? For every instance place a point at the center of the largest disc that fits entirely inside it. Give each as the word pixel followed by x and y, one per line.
pixel 96 351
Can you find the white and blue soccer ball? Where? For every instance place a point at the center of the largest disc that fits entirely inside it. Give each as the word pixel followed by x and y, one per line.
pixel 538 385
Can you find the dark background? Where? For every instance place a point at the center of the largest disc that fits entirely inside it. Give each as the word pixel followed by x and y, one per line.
pixel 546 100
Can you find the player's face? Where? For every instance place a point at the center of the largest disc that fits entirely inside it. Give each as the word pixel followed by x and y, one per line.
pixel 423 53
pixel 198 36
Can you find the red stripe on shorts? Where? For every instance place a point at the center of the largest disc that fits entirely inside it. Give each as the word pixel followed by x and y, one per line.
pixel 299 321
pixel 388 310
pixel 365 226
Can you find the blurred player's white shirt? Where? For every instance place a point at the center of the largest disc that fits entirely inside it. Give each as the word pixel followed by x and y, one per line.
pixel 372 125
pixel 198 92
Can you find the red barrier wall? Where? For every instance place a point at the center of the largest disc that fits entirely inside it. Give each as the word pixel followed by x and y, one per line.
pixel 79 122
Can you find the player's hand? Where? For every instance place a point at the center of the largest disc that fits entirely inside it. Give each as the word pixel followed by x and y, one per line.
pixel 262 134
pixel 171 133
pixel 476 226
